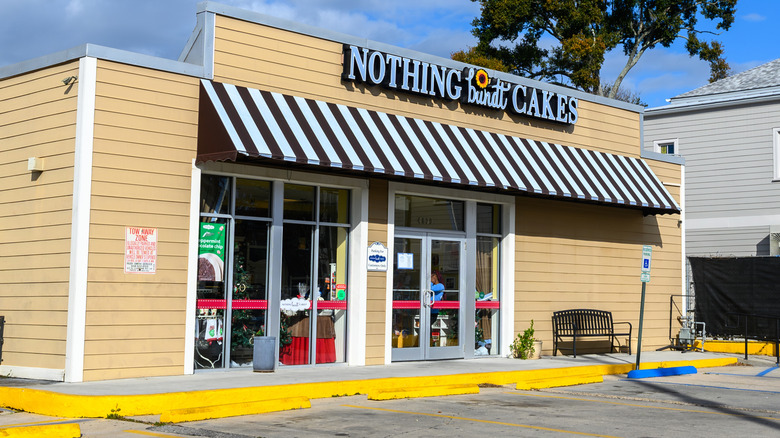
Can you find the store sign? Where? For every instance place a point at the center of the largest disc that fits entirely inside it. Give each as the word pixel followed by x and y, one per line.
pixel 140 250
pixel 211 252
pixel 377 257
pixel 471 85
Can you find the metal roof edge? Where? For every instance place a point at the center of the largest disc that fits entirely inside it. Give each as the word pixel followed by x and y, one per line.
pixel 43 61
pixel 666 158
pixel 101 52
pixel 318 32
pixel 723 100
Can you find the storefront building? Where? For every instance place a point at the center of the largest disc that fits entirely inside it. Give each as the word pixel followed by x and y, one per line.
pixel 361 203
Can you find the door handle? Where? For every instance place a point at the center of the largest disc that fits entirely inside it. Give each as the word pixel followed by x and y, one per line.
pixel 429 298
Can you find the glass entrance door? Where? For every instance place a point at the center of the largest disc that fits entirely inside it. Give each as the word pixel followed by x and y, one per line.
pixel 427 299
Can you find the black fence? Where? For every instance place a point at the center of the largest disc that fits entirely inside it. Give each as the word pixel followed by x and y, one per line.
pixel 729 287
pixel 744 322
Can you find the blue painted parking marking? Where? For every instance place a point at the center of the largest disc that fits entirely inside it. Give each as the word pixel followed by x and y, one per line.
pixel 766 371
pixel 711 386
pixel 761 374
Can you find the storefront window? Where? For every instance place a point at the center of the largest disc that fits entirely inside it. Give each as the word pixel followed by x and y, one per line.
pixel 487 279
pixel 314 276
pixel 249 301
pixel 428 213
pixel 332 293
pixel 215 194
pixel 299 202
pixel 488 218
pixel 209 342
pixel 334 206
pixel 233 275
pixel 253 198
pixel 296 295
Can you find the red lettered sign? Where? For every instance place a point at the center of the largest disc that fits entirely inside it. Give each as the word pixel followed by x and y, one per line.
pixel 140 250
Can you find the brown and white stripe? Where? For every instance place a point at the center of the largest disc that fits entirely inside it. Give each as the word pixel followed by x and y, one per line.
pixel 293 129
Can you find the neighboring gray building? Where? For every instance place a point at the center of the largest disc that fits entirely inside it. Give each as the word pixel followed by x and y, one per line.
pixel 728 132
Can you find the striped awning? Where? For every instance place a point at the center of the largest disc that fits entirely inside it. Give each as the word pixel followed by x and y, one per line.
pixel 237 121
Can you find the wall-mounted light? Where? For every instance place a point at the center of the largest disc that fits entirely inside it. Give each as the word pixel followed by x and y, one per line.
pixel 69 79
pixel 35 164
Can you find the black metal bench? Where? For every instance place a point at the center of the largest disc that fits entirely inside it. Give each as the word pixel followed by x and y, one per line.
pixel 585 323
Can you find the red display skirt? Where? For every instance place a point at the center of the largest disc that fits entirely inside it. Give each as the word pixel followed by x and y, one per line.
pixel 297 352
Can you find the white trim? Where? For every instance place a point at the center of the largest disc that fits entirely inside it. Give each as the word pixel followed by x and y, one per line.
pixel 389 273
pixel 192 272
pixel 79 243
pixel 508 267
pixel 358 277
pixel 776 151
pixel 733 222
pixel 56 375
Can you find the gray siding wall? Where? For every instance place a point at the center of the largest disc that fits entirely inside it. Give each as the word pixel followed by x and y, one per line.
pixel 728 156
pixel 728 242
pixel 730 197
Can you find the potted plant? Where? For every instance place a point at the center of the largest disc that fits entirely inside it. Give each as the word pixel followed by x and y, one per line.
pixel 526 346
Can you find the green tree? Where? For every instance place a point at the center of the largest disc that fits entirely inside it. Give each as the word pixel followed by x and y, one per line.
pixel 517 33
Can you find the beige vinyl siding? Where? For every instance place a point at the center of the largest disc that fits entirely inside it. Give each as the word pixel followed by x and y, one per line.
pixel 589 257
pixel 37 119
pixel 266 58
pixel 145 141
pixel 376 305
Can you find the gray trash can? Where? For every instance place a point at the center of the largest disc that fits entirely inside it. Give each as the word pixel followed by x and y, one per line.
pixel 264 355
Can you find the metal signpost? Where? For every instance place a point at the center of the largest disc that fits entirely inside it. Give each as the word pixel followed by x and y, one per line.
pixel 647 254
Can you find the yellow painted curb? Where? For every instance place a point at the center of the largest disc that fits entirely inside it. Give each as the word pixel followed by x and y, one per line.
pixel 234 409
pixel 559 381
pixel 69 430
pixel 89 406
pixel 756 348
pixel 423 391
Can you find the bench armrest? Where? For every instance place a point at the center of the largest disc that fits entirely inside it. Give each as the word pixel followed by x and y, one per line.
pixel 630 328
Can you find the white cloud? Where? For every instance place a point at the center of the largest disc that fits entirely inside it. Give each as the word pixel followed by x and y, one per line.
pixel 754 17
pixel 74 8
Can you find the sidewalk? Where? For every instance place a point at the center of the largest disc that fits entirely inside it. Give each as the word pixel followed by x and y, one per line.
pixel 218 393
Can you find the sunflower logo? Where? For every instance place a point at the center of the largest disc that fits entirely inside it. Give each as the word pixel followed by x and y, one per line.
pixel 482 78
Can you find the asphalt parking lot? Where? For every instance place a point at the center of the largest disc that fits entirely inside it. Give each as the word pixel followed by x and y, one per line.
pixel 715 402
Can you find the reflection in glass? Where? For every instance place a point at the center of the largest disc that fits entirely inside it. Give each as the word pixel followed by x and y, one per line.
pixel 445 283
pixel 430 213
pixel 214 194
pixel 488 218
pixel 334 205
pixel 250 258
pixel 296 284
pixel 253 197
pixel 299 202
pixel 209 335
pixel 405 330
pixel 209 345
pixel 332 292
pixel 487 277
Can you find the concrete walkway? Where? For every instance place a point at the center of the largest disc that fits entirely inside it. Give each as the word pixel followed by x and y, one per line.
pixel 213 394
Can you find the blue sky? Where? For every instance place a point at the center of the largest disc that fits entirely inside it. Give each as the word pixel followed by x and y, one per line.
pixel 33 28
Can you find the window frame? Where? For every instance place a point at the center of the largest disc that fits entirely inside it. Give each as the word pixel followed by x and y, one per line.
pixel 776 153
pixel 659 143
